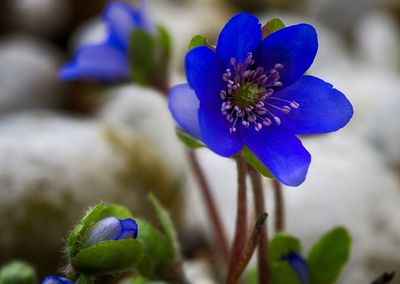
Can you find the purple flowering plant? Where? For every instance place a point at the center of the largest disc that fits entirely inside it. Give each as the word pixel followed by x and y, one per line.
pixel 108 61
pixel 251 93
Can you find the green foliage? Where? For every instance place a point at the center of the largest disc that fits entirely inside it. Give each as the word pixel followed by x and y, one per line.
pixel 282 273
pixel 329 255
pixel 149 56
pixel 167 226
pixel 83 279
pixel 158 254
pixel 108 257
pixel 255 162
pixel 272 26
pixel 95 214
pixel 17 272
pixel 188 140
pixel 197 40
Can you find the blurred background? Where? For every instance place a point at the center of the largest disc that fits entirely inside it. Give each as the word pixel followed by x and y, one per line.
pixel 65 146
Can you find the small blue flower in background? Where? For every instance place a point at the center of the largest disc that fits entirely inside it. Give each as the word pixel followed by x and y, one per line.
pixel 56 280
pixel 111 228
pixel 253 92
pixel 107 61
pixel 299 265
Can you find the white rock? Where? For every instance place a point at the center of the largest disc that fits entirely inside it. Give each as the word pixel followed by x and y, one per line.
pixel 28 74
pixel 53 167
pixel 145 112
pixel 378 40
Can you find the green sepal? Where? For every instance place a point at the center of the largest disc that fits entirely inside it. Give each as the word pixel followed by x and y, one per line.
pixel 281 245
pixel 108 257
pixel 17 272
pixel 281 271
pixel 255 162
pixel 84 279
pixel 142 56
pixel 328 256
pixel 196 41
pixel 157 252
pixel 95 214
pixel 271 26
pixel 167 225
pixel 188 140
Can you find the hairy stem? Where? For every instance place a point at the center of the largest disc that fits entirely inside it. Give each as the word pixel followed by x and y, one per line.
pixel 248 250
pixel 262 256
pixel 279 207
pixel 212 211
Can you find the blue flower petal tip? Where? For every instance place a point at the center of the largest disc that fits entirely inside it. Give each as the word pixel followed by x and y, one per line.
pixel 111 228
pixel 253 92
pixel 299 265
pixel 56 280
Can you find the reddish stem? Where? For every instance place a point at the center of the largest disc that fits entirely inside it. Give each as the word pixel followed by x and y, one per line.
pixel 279 207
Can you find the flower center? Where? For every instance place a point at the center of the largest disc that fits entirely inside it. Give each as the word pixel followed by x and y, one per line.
pixel 249 97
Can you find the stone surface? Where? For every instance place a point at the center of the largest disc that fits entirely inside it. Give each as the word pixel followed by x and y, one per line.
pixel 28 74
pixel 52 167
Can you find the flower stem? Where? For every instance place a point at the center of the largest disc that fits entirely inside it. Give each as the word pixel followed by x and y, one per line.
pixel 279 207
pixel 239 240
pixel 248 250
pixel 211 207
pixel 263 265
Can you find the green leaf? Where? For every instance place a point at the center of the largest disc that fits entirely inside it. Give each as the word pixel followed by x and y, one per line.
pixel 142 56
pixel 282 273
pixel 84 279
pixel 272 26
pixel 255 162
pixel 281 245
pixel 197 40
pixel 328 256
pixel 188 140
pixel 166 224
pixel 17 272
pixel 252 276
pixel 94 215
pixel 108 257
pixel 164 44
pixel 158 254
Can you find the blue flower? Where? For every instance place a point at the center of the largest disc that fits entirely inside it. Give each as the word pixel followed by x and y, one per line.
pixel 299 265
pixel 56 280
pixel 253 92
pixel 111 228
pixel 108 61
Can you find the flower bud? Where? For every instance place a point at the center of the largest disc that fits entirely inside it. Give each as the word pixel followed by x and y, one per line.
pixel 56 280
pixel 111 228
pixel 299 265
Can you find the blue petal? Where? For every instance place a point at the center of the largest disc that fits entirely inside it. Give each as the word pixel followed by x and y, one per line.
pixel 280 151
pixel 184 106
pixel 295 47
pixel 299 265
pixel 214 129
pixel 204 72
pixel 101 62
pixel 322 108
pixel 56 280
pixel 129 229
pixel 106 229
pixel 121 19
pixel 239 36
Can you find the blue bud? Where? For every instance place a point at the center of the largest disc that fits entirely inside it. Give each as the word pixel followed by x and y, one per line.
pixel 111 228
pixel 56 280
pixel 299 265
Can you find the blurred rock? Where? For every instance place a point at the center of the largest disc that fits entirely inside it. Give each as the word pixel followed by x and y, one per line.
pixel 52 167
pixel 145 112
pixel 41 17
pixel 377 37
pixel 28 74
pixel 348 184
